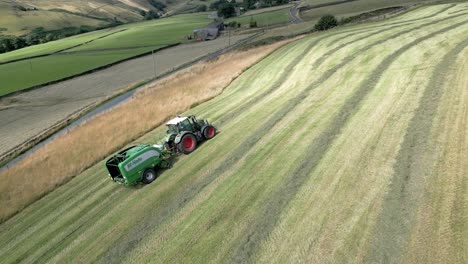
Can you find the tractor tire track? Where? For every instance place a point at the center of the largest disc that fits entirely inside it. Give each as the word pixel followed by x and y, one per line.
pixel 131 239
pixel 291 66
pixel 289 69
pixel 98 212
pixel 73 220
pixel 45 216
pixel 268 219
pixel 394 223
pixel 322 58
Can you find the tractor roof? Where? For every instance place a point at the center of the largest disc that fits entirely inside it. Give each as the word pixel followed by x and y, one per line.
pixel 176 120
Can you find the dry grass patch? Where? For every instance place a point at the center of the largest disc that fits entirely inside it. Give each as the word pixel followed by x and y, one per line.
pixel 68 155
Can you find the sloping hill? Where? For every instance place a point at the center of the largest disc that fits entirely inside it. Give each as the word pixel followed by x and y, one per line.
pixel 347 146
pixel 16 22
pixel 23 16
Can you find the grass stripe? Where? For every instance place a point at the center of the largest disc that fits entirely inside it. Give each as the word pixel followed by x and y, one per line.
pixel 395 222
pixel 34 226
pixel 268 218
pixel 291 66
pixel 62 225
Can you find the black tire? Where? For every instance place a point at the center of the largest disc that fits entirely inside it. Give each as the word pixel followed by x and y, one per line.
pixel 149 175
pixel 209 132
pixel 187 144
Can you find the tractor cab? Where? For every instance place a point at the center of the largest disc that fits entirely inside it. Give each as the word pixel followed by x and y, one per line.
pixel 180 124
pixel 184 132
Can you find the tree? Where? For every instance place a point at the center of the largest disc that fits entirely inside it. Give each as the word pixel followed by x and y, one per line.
pixel 157 4
pixel 32 40
pixel 143 13
pixel 216 4
pixel 227 10
pixel 6 45
pixel 201 8
pixel 18 43
pixel 253 23
pixel 326 22
pixel 151 15
pixel 249 4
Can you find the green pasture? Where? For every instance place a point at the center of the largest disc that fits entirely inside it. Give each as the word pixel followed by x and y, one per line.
pixel 129 41
pixel 264 19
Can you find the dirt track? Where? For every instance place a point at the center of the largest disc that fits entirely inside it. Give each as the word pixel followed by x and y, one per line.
pixel 27 115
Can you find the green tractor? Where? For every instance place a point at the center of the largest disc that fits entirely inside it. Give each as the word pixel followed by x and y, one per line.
pixel 184 133
pixel 137 164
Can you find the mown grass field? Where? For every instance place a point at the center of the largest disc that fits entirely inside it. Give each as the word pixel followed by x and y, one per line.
pixel 350 8
pixel 264 18
pixel 128 41
pixel 347 146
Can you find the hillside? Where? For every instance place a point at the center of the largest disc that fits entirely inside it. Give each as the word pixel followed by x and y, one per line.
pixel 346 146
pixel 16 22
pixel 23 16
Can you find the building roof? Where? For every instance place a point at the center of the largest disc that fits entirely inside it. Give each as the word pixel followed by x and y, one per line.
pixel 176 120
pixel 215 24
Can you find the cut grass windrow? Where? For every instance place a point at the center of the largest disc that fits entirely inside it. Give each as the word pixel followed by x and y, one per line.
pixel 39 221
pixel 411 171
pixel 291 66
pixel 75 219
pixel 170 208
pixel 268 218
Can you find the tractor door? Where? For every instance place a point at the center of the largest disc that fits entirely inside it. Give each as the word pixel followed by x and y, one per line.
pixel 194 122
pixel 186 125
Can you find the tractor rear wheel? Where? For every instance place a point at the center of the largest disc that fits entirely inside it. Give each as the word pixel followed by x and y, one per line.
pixel 148 176
pixel 209 132
pixel 187 144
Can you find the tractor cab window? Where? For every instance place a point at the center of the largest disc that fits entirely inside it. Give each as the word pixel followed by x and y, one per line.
pixel 173 129
pixel 185 125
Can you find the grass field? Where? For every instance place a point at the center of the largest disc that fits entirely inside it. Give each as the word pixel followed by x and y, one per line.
pixel 19 23
pixel 123 10
pixel 264 18
pixel 350 8
pixel 128 41
pixel 347 146
pixel 55 46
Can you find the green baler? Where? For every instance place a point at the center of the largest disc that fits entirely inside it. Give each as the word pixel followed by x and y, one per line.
pixel 137 164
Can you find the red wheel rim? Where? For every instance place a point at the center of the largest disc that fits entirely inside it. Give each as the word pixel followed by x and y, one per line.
pixel 210 132
pixel 188 143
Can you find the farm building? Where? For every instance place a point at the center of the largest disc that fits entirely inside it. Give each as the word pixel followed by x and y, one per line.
pixel 209 32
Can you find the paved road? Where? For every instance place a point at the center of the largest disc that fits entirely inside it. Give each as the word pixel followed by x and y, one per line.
pixel 28 114
pixel 294 13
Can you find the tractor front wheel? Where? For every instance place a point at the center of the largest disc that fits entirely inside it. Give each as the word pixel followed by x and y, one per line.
pixel 148 176
pixel 187 144
pixel 209 132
